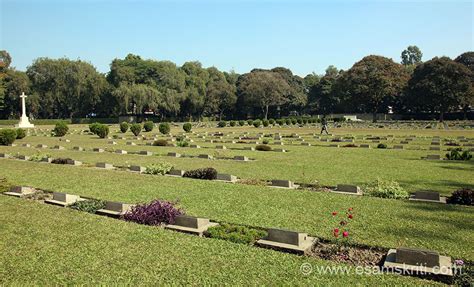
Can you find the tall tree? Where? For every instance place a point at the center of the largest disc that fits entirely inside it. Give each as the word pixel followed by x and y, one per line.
pixel 195 90
pixel 439 85
pixel 297 98
pixel 411 56
pixel 220 93
pixel 374 82
pixel 264 89
pixel 467 59
pixel 322 96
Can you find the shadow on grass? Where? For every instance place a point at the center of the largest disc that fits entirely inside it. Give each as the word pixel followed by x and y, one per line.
pixel 439 185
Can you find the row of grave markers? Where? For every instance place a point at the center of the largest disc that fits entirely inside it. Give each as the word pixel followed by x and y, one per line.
pixel 402 258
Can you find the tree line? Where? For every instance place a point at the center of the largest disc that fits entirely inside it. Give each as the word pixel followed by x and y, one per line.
pixel 64 88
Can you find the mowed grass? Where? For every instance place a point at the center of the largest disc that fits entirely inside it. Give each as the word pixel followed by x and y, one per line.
pixel 48 245
pixel 316 164
pixel 378 222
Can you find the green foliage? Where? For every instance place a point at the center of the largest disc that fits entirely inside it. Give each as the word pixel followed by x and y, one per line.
pixel 20 133
pixel 124 127
pixel 136 129
pixel 93 127
pixel 60 129
pixel 459 154
pixel 7 136
pixel 187 127
pixel 265 123
pixel 257 123
pixel 158 168
pixel 39 157
pixel 288 122
pixel 280 122
pixel 386 189
pixel 102 131
pixel 182 143
pixel 89 205
pixel 160 142
pixel 221 124
pixel 250 122
pixel 271 121
pixel 266 141
pixel 164 128
pixel 241 123
pixel 232 123
pixel 4 185
pixel 381 145
pixel 148 126
pixel 294 121
pixel 263 147
pixel 236 233
pixel 208 173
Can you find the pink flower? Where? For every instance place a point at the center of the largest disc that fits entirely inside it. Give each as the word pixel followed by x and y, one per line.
pixel 350 216
pixel 345 234
pixel 334 213
pixel 336 230
pixel 350 208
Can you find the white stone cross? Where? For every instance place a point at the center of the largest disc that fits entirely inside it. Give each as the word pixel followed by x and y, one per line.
pixel 24 121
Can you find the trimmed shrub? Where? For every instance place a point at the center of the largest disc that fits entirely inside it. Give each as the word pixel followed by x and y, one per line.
pixel 7 136
pixel 182 143
pixel 124 127
pixel 265 123
pixel 90 205
pixel 299 121
pixel 93 127
pixel 305 121
pixel 164 128
pixel 257 123
pixel 38 157
pixel 221 124
pixel 294 121
pixel 265 141
pixel 280 122
pixel 263 147
pixel 464 196
pixel 350 145
pixel 148 126
pixel 158 168
pixel 288 122
pixel 102 131
pixel 386 189
pixel 155 213
pixel 236 233
pixel 60 129
pixel 208 173
pixel 187 127
pixel 241 123
pixel 250 122
pixel 458 154
pixel 160 142
pixel 271 121
pixel 136 129
pixel 232 123
pixel 381 145
pixel 20 133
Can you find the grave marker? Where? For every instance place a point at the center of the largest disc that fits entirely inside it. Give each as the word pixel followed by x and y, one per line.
pixel 190 224
pixel 63 199
pixel 287 240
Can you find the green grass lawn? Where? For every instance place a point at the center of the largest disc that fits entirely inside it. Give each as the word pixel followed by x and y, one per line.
pixel 43 244
pixel 48 245
pixel 326 165
pixel 379 222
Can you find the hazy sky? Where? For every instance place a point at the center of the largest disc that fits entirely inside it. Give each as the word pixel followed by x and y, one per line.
pixel 304 36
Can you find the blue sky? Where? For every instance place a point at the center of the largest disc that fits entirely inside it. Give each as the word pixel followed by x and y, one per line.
pixel 304 36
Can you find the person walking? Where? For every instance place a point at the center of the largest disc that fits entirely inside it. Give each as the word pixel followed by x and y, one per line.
pixel 324 126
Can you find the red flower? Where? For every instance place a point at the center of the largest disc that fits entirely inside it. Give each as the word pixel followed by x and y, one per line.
pixel 350 208
pixel 334 213
pixel 336 230
pixel 345 234
pixel 350 216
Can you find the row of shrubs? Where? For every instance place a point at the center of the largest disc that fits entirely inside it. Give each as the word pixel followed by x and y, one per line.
pixel 8 136
pixel 288 121
pixel 148 126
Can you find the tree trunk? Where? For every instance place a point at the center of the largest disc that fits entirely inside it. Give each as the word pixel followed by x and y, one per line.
pixel 374 116
pixel 266 112
pixel 441 116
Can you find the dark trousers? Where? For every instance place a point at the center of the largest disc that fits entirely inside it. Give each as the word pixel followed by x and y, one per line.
pixel 324 129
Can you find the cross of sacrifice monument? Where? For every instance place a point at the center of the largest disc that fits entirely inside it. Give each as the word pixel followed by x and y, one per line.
pixel 24 121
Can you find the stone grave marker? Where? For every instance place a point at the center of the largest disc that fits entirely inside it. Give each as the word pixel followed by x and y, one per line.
pixel 121 151
pixel 97 150
pixel 176 172
pixel 174 154
pixel 421 261
pixel 283 184
pixel 190 224
pixel 241 158
pixel 63 199
pixel 20 191
pixel 104 165
pixel 206 156
pixel 287 240
pixel 348 189
pixel 428 196
pixel 137 168
pixel 144 152
pixel 114 209
pixel 226 177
